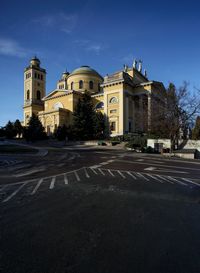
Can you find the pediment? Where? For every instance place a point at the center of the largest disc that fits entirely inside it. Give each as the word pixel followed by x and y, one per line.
pixel 55 93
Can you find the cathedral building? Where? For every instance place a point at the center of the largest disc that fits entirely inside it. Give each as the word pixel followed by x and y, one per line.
pixel 127 98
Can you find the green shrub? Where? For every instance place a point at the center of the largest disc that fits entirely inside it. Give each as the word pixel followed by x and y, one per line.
pixel 149 150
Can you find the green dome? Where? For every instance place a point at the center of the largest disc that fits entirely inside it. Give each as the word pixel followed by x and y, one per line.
pixel 85 69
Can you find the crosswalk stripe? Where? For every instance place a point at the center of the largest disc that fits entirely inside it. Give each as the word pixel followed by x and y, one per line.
pixel 121 174
pixel 154 178
pixel 77 176
pixel 129 173
pixel 92 169
pixel 190 181
pixel 139 174
pixel 165 179
pixel 66 179
pixel 14 193
pixel 177 181
pixel 101 172
pixel 37 186
pixel 86 173
pixel 111 173
pixel 52 183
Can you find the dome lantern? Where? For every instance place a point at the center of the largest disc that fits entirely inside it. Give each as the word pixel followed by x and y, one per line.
pixel 35 61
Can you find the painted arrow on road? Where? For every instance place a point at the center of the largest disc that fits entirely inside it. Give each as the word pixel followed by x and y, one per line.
pixel 161 170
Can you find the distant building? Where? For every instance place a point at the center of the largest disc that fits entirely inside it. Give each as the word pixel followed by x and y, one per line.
pixel 126 97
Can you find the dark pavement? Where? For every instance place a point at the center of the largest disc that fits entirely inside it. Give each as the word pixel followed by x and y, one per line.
pixel 99 210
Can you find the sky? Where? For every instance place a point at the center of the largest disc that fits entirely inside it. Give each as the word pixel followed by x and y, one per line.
pixel 164 34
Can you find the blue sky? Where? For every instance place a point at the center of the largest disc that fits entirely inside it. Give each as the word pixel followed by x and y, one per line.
pixel 102 34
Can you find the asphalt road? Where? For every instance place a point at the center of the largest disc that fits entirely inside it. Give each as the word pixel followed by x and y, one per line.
pixel 99 210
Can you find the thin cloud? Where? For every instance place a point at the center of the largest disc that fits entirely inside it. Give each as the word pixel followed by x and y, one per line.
pixel 128 59
pixel 10 47
pixel 61 21
pixel 91 46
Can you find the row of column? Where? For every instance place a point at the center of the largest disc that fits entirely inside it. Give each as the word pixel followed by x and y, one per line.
pixel 140 117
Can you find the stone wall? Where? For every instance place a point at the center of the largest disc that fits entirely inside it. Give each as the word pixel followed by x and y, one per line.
pixel 192 144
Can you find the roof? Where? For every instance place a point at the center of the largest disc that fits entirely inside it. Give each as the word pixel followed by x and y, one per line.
pixel 35 59
pixel 85 69
pixel 118 77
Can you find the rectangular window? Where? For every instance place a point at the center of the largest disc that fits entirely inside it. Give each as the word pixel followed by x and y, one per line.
pixel 42 77
pixel 113 126
pixel 113 111
pixel 35 75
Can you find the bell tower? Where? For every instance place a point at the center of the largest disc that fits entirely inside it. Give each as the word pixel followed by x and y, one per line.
pixel 34 89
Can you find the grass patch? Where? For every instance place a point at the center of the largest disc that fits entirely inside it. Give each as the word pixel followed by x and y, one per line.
pixel 15 149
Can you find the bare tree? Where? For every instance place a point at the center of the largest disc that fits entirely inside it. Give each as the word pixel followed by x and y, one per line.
pixel 178 111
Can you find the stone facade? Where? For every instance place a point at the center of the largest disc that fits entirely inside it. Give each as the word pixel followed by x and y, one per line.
pixel 127 97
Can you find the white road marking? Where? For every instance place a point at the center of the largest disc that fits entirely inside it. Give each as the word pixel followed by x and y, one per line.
pixel 14 193
pixel 177 181
pixel 93 170
pixel 165 179
pixel 111 173
pixel 150 169
pixel 110 161
pixel 77 176
pixel 121 174
pixel 153 177
pixel 95 166
pixel 190 181
pixel 103 163
pixel 52 183
pixel 161 170
pixel 140 160
pixel 37 186
pixel 139 174
pixel 86 173
pixel 131 175
pixel 30 172
pixel 66 179
pixel 101 172
pixel 166 166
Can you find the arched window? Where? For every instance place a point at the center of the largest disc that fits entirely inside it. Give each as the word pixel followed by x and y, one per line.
pixel 38 95
pixel 72 85
pixel 99 105
pixel 113 100
pixel 80 84
pixel 91 84
pixel 28 95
